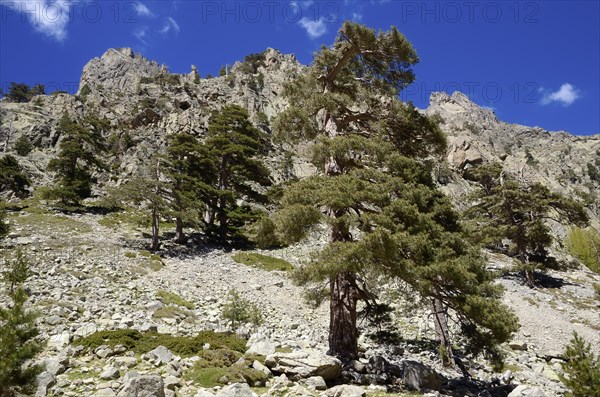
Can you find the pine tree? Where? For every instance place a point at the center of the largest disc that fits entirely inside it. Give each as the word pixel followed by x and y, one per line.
pixel 234 145
pixel 76 159
pixel 189 170
pixel 12 177
pixel 23 146
pixel 507 209
pixel 582 369
pixel 4 228
pixel 347 106
pixel 17 332
pixel 149 188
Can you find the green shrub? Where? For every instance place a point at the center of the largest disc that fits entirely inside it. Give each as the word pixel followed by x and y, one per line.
pixel 264 262
pixel 4 228
pixel 12 176
pixel 215 376
pixel 85 91
pixel 582 369
pixel 169 298
pixel 223 366
pixel 17 332
pixel 23 146
pixel 130 254
pixel 238 310
pixel 585 245
pixel 264 234
pixel 143 342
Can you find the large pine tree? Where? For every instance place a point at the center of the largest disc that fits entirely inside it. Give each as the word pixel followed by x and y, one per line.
pixel 376 195
pixel 189 170
pixel 234 145
pixel 76 160
pixel 347 105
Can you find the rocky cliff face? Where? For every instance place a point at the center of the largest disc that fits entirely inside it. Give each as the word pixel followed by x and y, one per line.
pixel 143 98
pixel 558 160
pixel 118 69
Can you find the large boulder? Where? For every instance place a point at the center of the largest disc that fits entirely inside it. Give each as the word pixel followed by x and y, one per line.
pixel 236 390
pixel 418 376
pixel 304 364
pixel 143 386
pixel 262 347
pixel 345 391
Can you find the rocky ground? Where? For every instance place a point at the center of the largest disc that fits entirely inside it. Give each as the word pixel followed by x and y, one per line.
pixel 92 275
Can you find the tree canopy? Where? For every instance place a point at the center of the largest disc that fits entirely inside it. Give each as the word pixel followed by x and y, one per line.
pixel 375 192
pixel 508 209
pixel 77 158
pixel 233 145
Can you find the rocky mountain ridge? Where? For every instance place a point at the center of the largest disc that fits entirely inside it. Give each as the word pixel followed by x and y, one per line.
pixel 91 275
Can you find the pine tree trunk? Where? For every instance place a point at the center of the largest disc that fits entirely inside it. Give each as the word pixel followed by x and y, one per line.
pixel 442 334
pixel 155 229
pixel 180 237
pixel 529 277
pixel 343 334
pixel 209 217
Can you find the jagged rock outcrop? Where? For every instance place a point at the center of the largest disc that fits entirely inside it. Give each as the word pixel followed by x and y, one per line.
pixel 118 70
pixel 556 159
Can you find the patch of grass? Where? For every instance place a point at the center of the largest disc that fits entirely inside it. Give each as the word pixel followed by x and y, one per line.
pixel 130 254
pixel 264 262
pixel 173 312
pixel 45 220
pixel 170 298
pixel 215 376
pixel 222 366
pixel 143 342
pixel 284 350
pixel 585 245
pixel 530 300
pixel 255 357
pixel 154 264
pixel 118 219
pixel 511 368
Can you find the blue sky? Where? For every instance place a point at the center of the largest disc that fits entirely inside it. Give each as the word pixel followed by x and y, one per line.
pixel 533 62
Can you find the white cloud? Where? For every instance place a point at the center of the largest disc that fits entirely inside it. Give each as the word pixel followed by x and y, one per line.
pixel 566 95
pixel 313 28
pixel 357 16
pixel 141 34
pixel 143 10
pixel 46 16
pixel 170 24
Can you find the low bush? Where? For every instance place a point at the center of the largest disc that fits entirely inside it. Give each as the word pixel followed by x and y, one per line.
pixel 264 262
pixel 143 342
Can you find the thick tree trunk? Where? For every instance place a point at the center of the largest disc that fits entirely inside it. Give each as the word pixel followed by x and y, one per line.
pixel 180 237
pixel 343 334
pixel 442 334
pixel 155 244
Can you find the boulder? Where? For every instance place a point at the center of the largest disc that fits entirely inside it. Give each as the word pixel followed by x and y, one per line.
pixel 304 364
pixel 109 373
pixel 527 391
pixel 143 386
pixel 106 392
pixel 315 383
pixel 44 381
pixel 236 390
pixel 345 391
pixel 262 347
pixel 161 354
pixel 204 393
pixel 418 376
